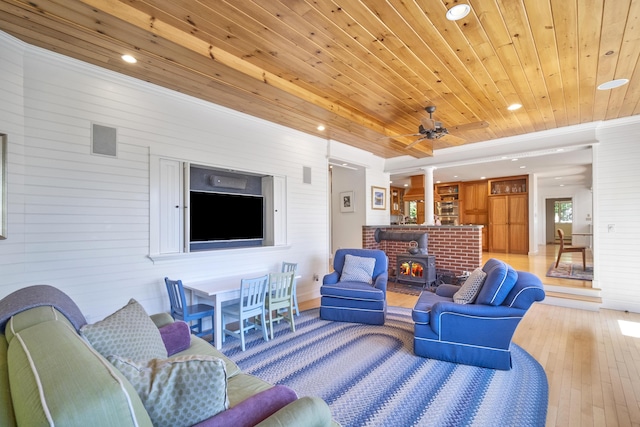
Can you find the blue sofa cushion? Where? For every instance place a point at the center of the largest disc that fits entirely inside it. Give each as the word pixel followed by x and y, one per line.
pixel 353 291
pixel 500 279
pixel 358 269
pixel 527 291
pixel 380 256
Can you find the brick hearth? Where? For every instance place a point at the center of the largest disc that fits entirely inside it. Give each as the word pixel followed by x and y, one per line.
pixel 456 248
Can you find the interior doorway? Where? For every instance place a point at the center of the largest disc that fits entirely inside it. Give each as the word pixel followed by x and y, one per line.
pixel 558 214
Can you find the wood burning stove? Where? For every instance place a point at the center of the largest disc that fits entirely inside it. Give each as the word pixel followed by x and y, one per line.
pixel 416 269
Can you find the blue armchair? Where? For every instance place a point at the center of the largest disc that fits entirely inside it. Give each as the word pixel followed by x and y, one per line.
pixel 478 333
pixel 347 300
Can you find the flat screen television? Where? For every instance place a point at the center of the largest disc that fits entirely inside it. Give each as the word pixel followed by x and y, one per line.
pixel 224 217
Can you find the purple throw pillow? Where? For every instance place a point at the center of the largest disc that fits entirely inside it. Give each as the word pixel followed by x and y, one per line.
pixel 254 409
pixel 176 337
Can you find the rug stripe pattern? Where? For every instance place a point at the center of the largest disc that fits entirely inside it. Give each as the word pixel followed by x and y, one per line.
pixel 370 376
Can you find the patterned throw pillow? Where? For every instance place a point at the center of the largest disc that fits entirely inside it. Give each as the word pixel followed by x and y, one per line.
pixel 357 269
pixel 470 288
pixel 179 391
pixel 129 332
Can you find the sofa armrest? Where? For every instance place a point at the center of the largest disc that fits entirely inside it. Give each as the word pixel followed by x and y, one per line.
pixel 446 290
pixel 475 324
pixel 331 278
pixel 381 282
pixel 161 319
pixel 306 411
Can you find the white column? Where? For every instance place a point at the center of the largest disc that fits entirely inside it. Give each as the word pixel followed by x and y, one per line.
pixel 428 195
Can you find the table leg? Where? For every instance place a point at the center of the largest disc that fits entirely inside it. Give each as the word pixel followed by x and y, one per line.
pixel 217 327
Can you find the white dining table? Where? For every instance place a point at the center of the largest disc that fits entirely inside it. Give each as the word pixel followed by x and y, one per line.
pixel 218 291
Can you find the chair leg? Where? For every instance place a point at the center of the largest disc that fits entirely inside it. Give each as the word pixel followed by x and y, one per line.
pixel 270 320
pixel 241 325
pixel 584 260
pixel 558 261
pixel 224 325
pixel 263 327
pixel 295 303
pixel 293 326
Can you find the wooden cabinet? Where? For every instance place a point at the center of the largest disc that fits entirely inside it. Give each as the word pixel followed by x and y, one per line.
pixel 474 196
pixel 448 191
pixel 420 212
pixel 508 216
pixel 510 185
pixel 397 201
pixel 474 201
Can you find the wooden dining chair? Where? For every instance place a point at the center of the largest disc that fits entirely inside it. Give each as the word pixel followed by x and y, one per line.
pixel 249 306
pixel 566 249
pixel 188 313
pixel 292 266
pixel 279 296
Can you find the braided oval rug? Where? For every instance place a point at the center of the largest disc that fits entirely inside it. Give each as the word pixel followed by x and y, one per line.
pixel 369 375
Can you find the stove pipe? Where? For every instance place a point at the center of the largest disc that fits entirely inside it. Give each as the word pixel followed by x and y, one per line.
pixel 421 238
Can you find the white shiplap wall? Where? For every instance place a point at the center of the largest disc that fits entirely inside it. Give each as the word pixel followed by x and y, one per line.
pixel 617 203
pixel 80 222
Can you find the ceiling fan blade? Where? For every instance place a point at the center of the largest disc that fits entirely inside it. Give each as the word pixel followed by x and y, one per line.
pixel 400 136
pixel 468 126
pixel 428 123
pixel 416 142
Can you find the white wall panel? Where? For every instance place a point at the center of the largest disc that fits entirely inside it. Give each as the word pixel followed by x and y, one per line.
pixel 80 222
pixel 617 204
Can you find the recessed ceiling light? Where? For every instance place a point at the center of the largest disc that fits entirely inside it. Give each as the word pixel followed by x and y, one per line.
pixel 522 167
pixel 458 11
pixel 406 185
pixel 128 58
pixel 514 107
pixel 558 177
pixel 514 160
pixel 320 127
pixel 613 84
pixel 483 177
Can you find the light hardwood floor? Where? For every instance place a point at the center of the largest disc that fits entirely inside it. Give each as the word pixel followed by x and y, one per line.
pixel 591 358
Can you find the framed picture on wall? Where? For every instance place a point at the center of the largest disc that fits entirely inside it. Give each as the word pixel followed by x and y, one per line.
pixel 378 198
pixel 347 202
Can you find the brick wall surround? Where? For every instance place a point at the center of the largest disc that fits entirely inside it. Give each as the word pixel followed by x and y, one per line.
pixel 457 248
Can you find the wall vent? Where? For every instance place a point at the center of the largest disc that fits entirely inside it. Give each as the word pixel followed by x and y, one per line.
pixel 306 175
pixel 103 141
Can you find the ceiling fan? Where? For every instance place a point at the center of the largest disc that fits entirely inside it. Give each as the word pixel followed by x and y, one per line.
pixel 432 129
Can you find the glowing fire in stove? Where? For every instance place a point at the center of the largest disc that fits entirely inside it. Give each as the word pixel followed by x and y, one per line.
pixel 412 269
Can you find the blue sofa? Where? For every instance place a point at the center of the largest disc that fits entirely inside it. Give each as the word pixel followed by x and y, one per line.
pixel 355 301
pixel 478 333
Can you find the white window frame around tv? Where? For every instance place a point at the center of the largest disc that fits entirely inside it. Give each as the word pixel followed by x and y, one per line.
pixel 169 224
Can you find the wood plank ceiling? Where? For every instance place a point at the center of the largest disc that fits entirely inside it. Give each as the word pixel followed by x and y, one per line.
pixel 365 69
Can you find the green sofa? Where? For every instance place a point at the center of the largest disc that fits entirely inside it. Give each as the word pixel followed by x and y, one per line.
pixel 51 375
